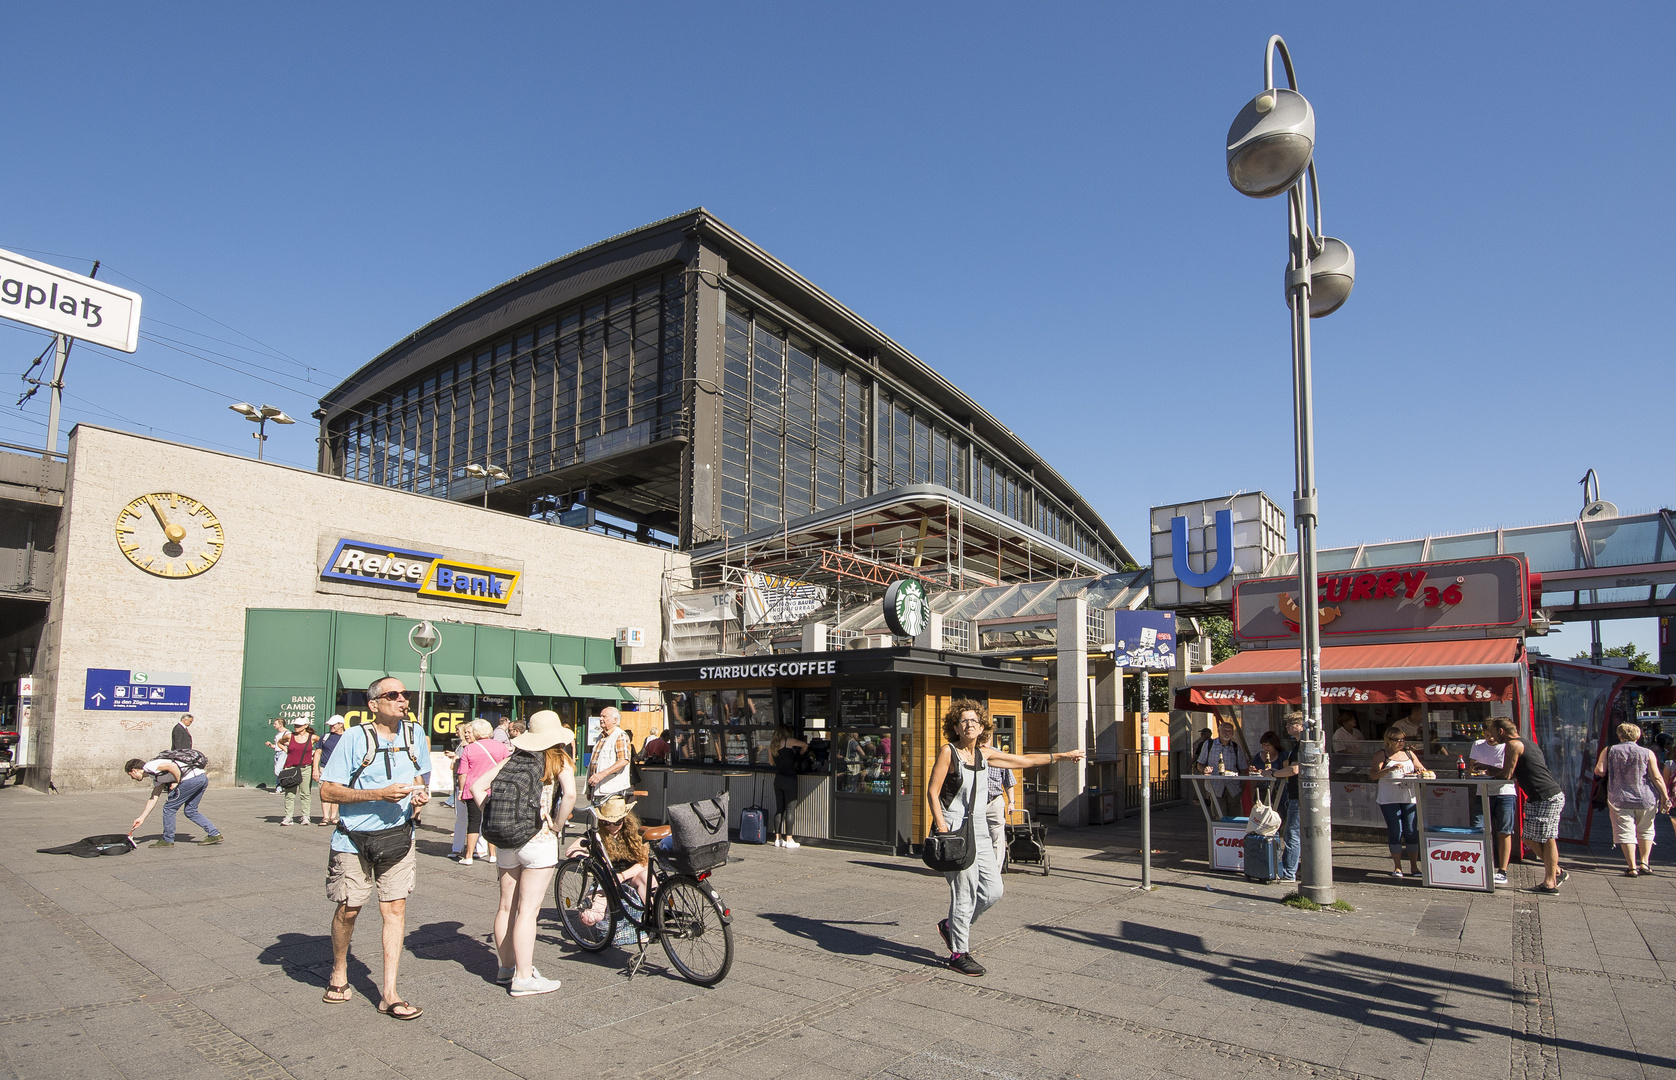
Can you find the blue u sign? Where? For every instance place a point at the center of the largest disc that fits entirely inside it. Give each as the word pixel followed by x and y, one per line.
pixel 1224 551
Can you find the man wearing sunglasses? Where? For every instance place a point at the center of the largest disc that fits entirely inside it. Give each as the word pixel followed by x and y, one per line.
pixel 379 775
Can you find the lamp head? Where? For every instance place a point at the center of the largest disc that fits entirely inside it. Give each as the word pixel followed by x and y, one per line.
pixel 276 415
pixel 1270 143
pixel 475 470
pixel 498 473
pixel 424 637
pixel 1332 274
pixel 246 410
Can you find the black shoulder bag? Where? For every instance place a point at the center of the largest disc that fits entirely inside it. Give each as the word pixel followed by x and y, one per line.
pixel 952 852
pixel 383 848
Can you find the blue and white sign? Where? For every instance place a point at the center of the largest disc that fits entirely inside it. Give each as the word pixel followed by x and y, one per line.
pixel 1143 639
pixel 137 691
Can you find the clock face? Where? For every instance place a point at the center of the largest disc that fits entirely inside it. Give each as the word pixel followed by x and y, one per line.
pixel 170 535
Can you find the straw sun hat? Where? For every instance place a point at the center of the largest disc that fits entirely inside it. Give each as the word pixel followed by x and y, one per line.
pixel 546 729
pixel 613 809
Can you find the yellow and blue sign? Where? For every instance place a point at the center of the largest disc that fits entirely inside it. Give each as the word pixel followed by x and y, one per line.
pixel 424 572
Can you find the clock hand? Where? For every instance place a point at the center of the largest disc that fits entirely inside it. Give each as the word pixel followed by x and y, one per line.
pixel 174 533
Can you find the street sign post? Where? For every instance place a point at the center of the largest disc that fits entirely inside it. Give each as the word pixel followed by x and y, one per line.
pixel 68 304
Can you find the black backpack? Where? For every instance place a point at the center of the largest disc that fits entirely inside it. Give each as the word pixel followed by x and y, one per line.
pixel 187 759
pixel 512 811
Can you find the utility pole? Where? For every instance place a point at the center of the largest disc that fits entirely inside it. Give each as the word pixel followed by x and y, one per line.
pixel 61 360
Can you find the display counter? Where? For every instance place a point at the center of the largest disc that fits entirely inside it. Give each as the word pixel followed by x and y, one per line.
pixel 1454 854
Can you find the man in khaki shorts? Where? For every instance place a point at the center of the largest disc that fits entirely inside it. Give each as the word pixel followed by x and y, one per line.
pixel 379 774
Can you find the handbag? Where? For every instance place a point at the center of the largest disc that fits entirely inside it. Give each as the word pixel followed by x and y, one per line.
pixel 952 852
pixel 291 777
pixel 1264 820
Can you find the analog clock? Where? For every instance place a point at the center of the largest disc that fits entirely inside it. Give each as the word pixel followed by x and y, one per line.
pixel 170 535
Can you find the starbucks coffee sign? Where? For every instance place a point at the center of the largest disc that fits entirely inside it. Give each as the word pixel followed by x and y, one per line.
pixel 907 608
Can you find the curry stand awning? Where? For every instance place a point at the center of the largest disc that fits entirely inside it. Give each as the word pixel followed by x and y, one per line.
pixel 1444 671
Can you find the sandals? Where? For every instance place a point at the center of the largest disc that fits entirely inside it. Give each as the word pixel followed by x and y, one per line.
pixel 344 990
pixel 1632 872
pixel 413 1012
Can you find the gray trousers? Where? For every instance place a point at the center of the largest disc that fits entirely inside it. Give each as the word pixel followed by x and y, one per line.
pixel 973 891
pixel 996 818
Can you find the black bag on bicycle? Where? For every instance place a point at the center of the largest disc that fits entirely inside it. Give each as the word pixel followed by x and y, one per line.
pixel 699 830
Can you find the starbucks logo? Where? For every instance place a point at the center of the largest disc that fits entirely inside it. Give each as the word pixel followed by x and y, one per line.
pixel 907 608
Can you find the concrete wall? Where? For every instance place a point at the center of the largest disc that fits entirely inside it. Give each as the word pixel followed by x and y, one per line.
pixel 107 613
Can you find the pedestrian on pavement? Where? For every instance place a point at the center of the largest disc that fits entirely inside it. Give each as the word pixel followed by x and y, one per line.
pixel 1286 803
pixel 186 790
pixel 784 749
pixel 1635 793
pixel 962 762
pixel 1396 763
pixel 1487 757
pixel 277 744
pixel 499 732
pixel 997 808
pixel 302 753
pixel 526 873
pixel 608 771
pixel 656 750
pixel 1224 755
pixel 377 775
pixel 334 735
pixel 181 737
pixel 1544 799
pixel 477 757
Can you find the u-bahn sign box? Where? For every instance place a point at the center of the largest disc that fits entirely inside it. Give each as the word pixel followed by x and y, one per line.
pixel 1199 548
pixel 351 564
pixel 70 304
pixel 1456 599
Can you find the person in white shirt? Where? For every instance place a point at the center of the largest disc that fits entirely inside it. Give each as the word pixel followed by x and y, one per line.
pixel 185 788
pixel 1346 735
pixel 608 771
pixel 1488 755
pixel 1224 753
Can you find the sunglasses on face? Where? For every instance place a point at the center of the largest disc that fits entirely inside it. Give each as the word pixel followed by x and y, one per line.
pixel 391 695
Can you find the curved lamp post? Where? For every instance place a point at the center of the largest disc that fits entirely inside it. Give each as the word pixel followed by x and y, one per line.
pixel 425 639
pixel 1271 149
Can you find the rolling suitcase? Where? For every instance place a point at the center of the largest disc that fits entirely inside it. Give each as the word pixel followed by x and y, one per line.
pixel 1262 856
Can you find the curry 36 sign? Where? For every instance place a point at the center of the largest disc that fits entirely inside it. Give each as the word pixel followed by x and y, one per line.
pixel 1459 598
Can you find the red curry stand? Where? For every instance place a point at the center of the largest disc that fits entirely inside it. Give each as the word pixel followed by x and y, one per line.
pixel 1440 633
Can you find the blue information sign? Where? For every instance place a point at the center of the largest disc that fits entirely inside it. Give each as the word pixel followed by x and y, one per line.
pixel 138 691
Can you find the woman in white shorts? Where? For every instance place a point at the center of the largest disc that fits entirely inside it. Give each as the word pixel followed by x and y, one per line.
pixel 1635 791
pixel 527 872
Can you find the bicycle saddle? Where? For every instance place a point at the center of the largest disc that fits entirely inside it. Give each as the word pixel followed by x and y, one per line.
pixel 653 833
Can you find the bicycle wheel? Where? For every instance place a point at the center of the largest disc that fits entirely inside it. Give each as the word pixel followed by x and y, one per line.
pixel 575 889
pixel 695 934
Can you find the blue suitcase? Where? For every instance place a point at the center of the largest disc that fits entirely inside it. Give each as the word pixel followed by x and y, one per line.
pixel 1262 856
pixel 753 825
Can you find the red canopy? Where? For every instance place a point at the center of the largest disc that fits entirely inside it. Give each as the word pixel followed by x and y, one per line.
pixel 1477 670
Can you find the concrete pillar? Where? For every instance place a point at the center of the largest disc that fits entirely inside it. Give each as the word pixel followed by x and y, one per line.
pixel 814 637
pixel 932 636
pixel 1072 718
pixel 1108 718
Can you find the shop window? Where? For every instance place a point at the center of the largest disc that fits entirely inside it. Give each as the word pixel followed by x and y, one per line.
pixel 864 761
pixel 445 715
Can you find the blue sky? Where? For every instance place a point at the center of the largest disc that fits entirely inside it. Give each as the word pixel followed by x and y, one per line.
pixel 1031 198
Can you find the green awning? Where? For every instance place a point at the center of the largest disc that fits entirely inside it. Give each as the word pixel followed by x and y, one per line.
pixel 455 684
pixel 357 678
pixel 621 692
pixel 540 680
pixel 410 679
pixel 499 686
pixel 572 675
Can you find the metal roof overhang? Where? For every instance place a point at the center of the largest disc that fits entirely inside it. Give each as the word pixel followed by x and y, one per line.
pixel 852 662
pixel 893 518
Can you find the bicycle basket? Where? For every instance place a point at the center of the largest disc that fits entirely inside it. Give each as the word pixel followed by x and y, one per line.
pixel 697 860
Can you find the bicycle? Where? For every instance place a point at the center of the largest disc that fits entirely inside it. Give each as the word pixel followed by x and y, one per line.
pixel 682 910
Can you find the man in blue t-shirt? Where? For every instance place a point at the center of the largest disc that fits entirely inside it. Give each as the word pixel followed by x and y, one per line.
pixel 378 774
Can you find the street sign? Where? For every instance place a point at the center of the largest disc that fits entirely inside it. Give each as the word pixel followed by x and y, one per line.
pixel 136 691
pixel 69 304
pixel 1143 639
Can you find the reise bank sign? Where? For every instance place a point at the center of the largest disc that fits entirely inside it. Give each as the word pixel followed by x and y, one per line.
pixel 464 577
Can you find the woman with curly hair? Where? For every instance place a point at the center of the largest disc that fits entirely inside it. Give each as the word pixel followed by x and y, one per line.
pixel 959 780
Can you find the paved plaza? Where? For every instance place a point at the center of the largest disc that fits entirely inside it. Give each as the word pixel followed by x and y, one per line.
pixel 209 962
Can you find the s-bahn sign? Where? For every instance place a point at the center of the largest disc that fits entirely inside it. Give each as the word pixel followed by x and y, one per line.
pixel 1458 598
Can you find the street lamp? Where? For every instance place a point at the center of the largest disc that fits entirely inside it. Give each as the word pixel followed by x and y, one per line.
pixel 486 473
pixel 1271 148
pixel 425 639
pixel 260 417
